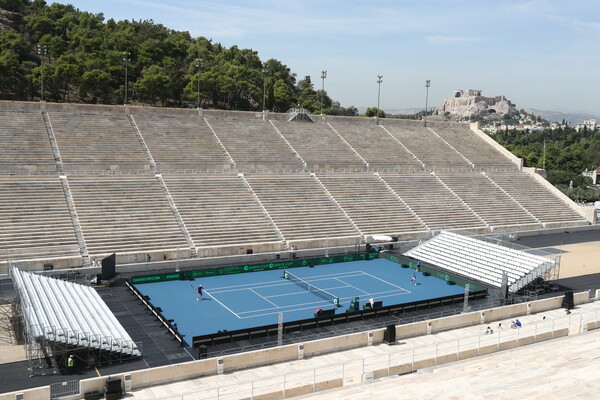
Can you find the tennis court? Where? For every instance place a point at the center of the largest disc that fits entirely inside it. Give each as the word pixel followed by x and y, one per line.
pixel 253 299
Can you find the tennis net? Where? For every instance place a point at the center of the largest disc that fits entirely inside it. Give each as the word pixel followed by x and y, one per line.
pixel 325 295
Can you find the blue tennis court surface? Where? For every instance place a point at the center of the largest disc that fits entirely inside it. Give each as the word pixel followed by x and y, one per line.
pixel 253 299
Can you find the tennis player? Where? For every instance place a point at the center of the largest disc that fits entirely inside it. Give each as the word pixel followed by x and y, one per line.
pixel 200 287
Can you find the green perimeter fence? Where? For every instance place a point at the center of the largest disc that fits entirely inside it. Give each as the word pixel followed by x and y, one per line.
pixel 238 269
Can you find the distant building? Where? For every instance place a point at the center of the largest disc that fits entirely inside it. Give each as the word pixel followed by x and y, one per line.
pixel 594 175
pixel 590 124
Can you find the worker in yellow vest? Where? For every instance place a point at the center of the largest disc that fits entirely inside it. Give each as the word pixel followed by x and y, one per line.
pixel 70 363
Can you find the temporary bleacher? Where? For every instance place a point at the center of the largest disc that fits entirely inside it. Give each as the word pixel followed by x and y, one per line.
pixel 433 202
pixel 488 201
pixel 302 210
pixel 35 220
pixel 179 143
pixel 218 210
pixel 69 315
pixel 475 149
pixel 255 145
pixel 481 260
pixel 377 147
pixel 320 147
pixel 538 200
pixel 125 214
pixel 427 147
pixel 371 205
pixel 97 142
pixel 24 143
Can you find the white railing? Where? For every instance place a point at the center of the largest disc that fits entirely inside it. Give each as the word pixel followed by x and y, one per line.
pixel 394 363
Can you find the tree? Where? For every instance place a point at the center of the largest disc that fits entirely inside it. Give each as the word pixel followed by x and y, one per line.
pixel 94 86
pixel 85 57
pixel 154 85
pixel 372 112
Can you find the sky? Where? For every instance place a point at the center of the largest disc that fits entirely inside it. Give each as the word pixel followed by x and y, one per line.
pixel 542 54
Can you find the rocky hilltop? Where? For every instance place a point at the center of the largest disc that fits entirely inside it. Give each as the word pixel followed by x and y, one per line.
pixel 467 103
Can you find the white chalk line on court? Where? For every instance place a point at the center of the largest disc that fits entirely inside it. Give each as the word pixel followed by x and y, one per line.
pixel 338 277
pixel 352 286
pixel 305 291
pixel 224 306
pixel 263 297
pixel 259 285
pixel 389 283
pixel 311 305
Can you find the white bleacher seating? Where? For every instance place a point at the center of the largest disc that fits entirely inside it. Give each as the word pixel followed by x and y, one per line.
pixel 481 260
pixel 69 314
pixel 219 210
pixel 433 202
pixel 181 143
pixel 255 145
pixel 427 147
pixel 475 149
pixel 24 143
pixel 34 219
pixel 319 146
pixel 94 142
pixel 494 206
pixel 371 205
pixel 538 200
pixel 130 213
pixel 377 147
pixel 300 207
pixel 125 214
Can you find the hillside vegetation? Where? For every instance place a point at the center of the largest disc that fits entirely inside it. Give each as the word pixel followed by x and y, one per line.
pixel 568 154
pixel 82 58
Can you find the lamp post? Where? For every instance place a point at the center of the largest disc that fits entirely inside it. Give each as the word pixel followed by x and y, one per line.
pixel 379 80
pixel 323 76
pixel 42 52
pixel 265 71
pixel 199 66
pixel 126 60
pixel 427 84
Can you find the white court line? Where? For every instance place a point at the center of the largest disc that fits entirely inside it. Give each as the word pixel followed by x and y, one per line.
pixel 314 304
pixel 259 295
pixel 223 289
pixel 337 277
pixel 227 308
pixel 383 280
pixel 352 286
pixel 305 291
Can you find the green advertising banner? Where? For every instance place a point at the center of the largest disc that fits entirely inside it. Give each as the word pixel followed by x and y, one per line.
pixel 201 273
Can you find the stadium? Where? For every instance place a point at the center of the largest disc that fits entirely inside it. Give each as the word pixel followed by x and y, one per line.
pixel 99 203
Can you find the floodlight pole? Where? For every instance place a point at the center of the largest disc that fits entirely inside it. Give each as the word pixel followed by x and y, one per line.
pixel 544 158
pixel 198 65
pixel 126 61
pixel 265 71
pixel 379 80
pixel 42 51
pixel 323 76
pixel 427 84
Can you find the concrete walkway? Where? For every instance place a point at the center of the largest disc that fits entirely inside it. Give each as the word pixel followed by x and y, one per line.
pixel 351 364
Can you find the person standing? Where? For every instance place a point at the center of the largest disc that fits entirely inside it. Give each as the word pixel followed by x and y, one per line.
pixel 200 287
pixel 70 363
pixel 413 280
